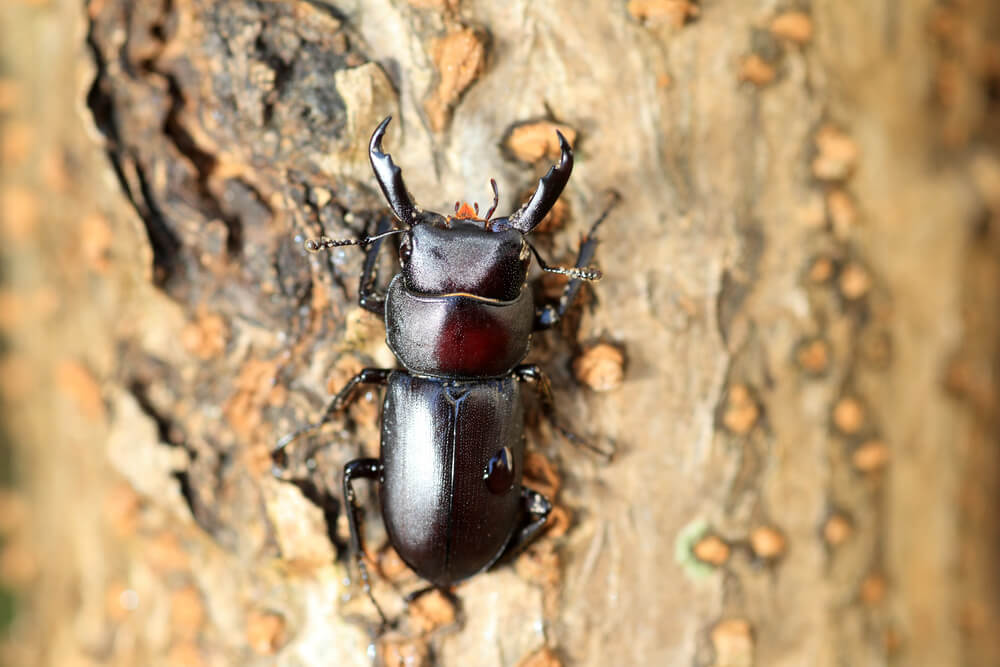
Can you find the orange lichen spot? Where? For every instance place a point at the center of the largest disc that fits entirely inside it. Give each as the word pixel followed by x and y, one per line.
pixel 849 415
pixel 164 553
pixel 187 612
pixel 206 336
pixel 873 589
pixel 77 382
pixel 535 140
pixel 544 657
pixel 821 270
pixel 767 543
pixel 674 13
pixel 119 601
pixel 663 81
pixel 17 139
pixel 18 376
pixel 733 642
pixel 812 212
pixel 19 212
pixel 837 529
pixel 18 564
pixel 756 70
pixel 10 93
pixel 185 654
pixel 54 171
pixel 460 58
pixel 265 631
pixel 712 549
pixel 404 652
pixel 854 281
pixel 600 367
pixel 837 154
pixel 13 309
pixel 14 511
pixel 871 456
pixel 843 213
pixel 813 356
pixel 541 474
pixel 742 412
pixel 892 640
pixel 121 509
pixel 793 26
pixel 431 611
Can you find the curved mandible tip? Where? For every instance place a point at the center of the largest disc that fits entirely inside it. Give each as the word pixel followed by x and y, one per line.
pixel 549 188
pixel 390 177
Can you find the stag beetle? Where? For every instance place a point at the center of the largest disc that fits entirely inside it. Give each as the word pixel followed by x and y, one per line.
pixel 459 318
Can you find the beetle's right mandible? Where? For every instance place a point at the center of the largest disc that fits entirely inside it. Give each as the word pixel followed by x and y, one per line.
pixel 390 177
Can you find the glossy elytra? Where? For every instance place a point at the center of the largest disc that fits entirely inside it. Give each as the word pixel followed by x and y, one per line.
pixel 459 318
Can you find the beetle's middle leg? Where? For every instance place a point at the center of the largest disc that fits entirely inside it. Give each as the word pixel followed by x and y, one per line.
pixel 360 469
pixel 532 373
pixel 376 376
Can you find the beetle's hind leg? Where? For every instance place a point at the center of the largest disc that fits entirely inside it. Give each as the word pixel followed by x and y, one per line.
pixel 360 469
pixel 536 509
pixel 533 373
pixel 549 315
pixel 376 376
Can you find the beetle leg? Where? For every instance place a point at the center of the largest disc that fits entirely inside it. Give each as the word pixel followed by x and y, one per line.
pixel 379 376
pixel 536 514
pixel 368 295
pixel 360 469
pixel 532 373
pixel 549 315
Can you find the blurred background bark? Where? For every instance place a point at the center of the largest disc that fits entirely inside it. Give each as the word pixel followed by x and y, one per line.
pixel 803 278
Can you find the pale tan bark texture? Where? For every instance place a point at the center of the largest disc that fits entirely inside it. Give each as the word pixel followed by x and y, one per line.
pixel 794 347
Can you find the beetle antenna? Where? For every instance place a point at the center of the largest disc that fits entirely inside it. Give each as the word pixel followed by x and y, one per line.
pixel 496 200
pixel 575 273
pixel 324 243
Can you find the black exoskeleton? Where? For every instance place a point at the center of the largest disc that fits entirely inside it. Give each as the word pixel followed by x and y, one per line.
pixel 459 318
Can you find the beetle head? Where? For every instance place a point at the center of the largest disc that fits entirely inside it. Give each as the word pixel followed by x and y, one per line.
pixel 463 253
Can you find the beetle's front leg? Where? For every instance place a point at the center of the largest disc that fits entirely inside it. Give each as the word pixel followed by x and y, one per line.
pixel 369 297
pixel 532 373
pixel 360 469
pixel 377 376
pixel 549 315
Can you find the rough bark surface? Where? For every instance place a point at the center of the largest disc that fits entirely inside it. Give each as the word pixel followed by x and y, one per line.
pixel 803 277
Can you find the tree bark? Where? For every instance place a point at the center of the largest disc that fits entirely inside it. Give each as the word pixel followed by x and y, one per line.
pixel 802 277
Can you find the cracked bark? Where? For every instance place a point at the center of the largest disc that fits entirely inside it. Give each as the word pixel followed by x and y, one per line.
pixel 802 276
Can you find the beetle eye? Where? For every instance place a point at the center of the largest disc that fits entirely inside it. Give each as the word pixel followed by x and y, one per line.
pixel 405 250
pixel 499 473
